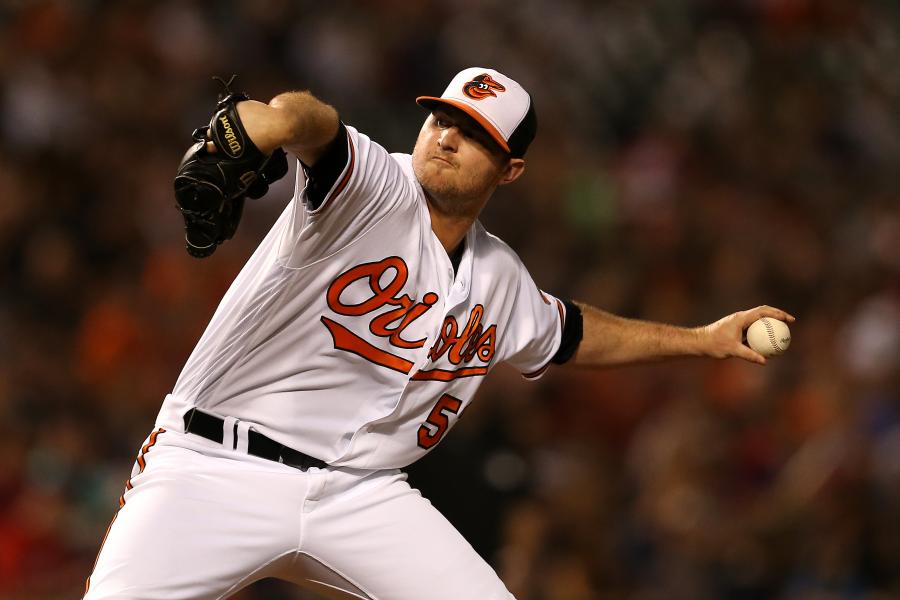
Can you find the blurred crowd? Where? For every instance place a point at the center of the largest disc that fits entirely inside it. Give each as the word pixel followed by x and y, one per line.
pixel 694 157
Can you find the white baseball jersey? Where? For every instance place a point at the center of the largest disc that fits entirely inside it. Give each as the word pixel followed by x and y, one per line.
pixel 348 336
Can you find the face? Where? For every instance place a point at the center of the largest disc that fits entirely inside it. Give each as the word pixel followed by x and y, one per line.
pixel 458 164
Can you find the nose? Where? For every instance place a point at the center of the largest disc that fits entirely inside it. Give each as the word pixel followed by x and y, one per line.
pixel 448 140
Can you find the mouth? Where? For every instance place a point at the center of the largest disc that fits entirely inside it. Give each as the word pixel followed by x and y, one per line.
pixel 443 160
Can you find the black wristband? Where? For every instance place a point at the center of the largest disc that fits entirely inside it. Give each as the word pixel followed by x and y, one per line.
pixel 573 331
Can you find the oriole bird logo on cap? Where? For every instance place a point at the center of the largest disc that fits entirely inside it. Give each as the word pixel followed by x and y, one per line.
pixel 482 86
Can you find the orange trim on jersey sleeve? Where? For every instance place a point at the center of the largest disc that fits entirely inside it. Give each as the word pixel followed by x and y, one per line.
pixel 345 179
pixel 445 375
pixel 472 113
pixel 542 370
pixel 346 340
pixel 142 464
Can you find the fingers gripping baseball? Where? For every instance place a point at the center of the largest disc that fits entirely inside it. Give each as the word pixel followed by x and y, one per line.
pixel 725 337
pixel 765 311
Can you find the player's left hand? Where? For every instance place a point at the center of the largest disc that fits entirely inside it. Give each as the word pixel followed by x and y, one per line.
pixel 725 337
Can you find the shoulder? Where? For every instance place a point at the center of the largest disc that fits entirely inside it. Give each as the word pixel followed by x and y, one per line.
pixel 492 247
pixel 371 149
pixel 381 170
pixel 496 255
pixel 404 161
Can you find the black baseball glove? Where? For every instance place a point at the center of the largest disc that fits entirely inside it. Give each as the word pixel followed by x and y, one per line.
pixel 210 187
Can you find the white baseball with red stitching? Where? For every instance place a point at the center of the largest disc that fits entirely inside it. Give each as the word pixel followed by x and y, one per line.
pixel 768 336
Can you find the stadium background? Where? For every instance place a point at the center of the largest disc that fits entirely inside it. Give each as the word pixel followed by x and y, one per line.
pixel 693 158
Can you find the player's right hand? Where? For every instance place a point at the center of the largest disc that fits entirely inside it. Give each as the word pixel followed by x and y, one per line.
pixel 725 337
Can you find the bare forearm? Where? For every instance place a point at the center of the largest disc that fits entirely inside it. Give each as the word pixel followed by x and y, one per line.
pixel 296 121
pixel 612 340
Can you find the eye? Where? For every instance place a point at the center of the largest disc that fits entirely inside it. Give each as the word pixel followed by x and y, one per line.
pixel 441 122
pixel 477 136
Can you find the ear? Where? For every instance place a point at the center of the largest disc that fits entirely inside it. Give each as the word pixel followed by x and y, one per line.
pixel 514 169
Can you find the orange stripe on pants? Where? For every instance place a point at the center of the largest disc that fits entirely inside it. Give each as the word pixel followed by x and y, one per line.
pixel 142 464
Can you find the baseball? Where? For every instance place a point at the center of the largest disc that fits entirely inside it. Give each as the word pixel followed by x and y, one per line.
pixel 768 336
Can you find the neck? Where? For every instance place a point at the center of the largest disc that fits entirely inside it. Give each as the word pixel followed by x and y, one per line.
pixel 449 229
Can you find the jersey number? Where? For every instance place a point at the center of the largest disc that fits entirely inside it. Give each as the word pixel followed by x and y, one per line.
pixel 439 419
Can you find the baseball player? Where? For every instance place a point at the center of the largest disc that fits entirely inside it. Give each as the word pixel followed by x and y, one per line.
pixel 351 342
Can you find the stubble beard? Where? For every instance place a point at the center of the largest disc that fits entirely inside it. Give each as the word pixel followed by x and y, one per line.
pixel 450 198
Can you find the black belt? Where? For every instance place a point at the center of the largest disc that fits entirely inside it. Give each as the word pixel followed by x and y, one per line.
pixel 211 427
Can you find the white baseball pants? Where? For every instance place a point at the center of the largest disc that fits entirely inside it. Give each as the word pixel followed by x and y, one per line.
pixel 201 521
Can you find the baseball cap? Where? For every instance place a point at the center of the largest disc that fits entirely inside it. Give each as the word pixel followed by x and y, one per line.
pixel 496 102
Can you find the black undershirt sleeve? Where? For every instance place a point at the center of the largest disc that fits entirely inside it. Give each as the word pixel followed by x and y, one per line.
pixel 321 176
pixel 573 331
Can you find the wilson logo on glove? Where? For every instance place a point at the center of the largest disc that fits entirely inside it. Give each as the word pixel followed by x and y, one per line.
pixel 231 139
